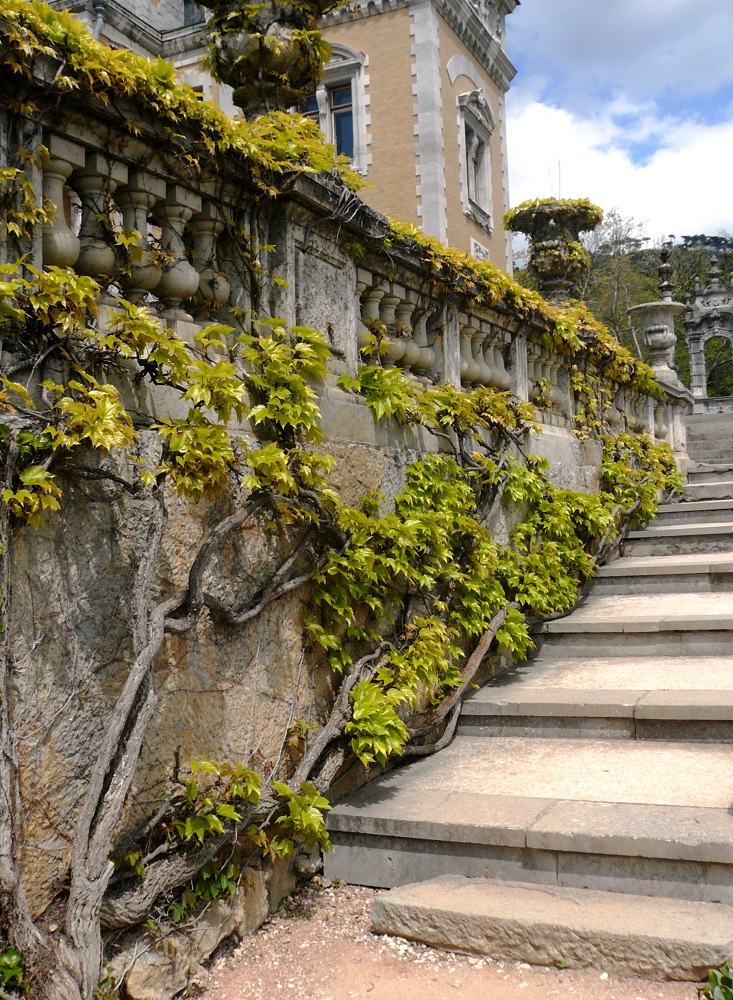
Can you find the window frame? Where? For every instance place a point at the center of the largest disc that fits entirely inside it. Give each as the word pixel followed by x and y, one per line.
pixel 477 124
pixel 346 67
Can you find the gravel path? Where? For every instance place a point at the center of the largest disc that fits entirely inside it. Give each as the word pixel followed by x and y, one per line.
pixel 320 947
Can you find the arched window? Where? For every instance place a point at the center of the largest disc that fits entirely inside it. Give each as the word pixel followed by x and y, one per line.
pixel 339 105
pixel 476 125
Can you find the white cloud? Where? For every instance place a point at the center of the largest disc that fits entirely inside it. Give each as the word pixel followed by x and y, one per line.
pixel 682 188
pixel 640 47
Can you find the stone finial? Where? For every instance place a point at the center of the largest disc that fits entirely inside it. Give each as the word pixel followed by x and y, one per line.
pixel 270 52
pixel 557 258
pixel 665 274
pixel 656 320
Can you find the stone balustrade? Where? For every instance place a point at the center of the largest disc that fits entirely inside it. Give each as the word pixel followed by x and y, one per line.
pixel 141 230
pixel 549 386
pixel 393 326
pixel 158 231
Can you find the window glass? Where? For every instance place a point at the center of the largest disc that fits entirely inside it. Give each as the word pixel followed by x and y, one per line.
pixel 342 118
pixel 339 125
pixel 310 107
pixel 341 97
pixel 477 168
pixel 192 13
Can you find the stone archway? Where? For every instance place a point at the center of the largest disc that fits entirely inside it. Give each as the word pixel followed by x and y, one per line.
pixel 709 317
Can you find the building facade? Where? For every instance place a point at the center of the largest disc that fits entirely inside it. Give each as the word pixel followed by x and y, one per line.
pixel 428 81
pixel 414 94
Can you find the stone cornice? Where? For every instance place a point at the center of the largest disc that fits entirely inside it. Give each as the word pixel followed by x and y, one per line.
pixel 463 20
pixel 168 44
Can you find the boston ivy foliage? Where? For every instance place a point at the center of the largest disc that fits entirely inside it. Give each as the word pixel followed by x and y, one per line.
pixel 266 148
pixel 404 590
pixel 719 984
pixel 423 576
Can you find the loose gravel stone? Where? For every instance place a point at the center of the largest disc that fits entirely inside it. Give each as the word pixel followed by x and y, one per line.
pixel 320 946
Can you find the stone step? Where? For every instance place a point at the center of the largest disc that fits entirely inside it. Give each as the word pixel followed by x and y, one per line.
pixel 715 418
pixel 710 434
pixel 678 539
pixel 626 673
pixel 685 624
pixel 642 643
pixel 709 425
pixel 708 491
pixel 713 457
pixel 710 473
pixel 698 572
pixel 706 437
pixel 515 710
pixel 693 512
pixel 699 443
pixel 628 935
pixel 614 815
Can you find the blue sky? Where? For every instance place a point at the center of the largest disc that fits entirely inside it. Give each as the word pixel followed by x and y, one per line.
pixel 629 103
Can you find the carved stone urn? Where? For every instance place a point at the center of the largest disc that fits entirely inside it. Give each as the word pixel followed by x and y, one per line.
pixel 271 53
pixel 656 322
pixel 557 260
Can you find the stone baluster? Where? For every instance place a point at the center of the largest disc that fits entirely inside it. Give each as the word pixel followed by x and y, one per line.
pixel 60 246
pixel 632 410
pixel 501 377
pixel 96 184
pixel 661 427
pixel 180 279
pixel 614 412
pixel 392 347
pixel 490 355
pixel 613 415
pixel 214 289
pixel 624 407
pixel 545 371
pixel 363 282
pixel 135 200
pixel 370 314
pixel 469 369
pixel 403 327
pixel 478 342
pixel 420 336
pixel 556 394
pixel 639 413
pixel 534 370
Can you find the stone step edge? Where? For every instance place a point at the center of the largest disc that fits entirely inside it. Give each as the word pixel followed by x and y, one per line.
pixel 691 705
pixel 578 826
pixel 718 482
pixel 668 623
pixel 669 531
pixel 656 938
pixel 693 506
pixel 635 566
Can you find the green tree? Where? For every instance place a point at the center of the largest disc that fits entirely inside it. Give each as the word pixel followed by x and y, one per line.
pixel 621 275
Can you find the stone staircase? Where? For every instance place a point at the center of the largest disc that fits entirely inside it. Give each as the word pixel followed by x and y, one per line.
pixel 710 446
pixel 583 814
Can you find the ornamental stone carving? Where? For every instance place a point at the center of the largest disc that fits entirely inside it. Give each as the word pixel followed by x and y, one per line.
pixel 656 321
pixel 557 260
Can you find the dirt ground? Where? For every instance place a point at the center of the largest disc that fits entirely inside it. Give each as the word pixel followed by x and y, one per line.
pixel 321 947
